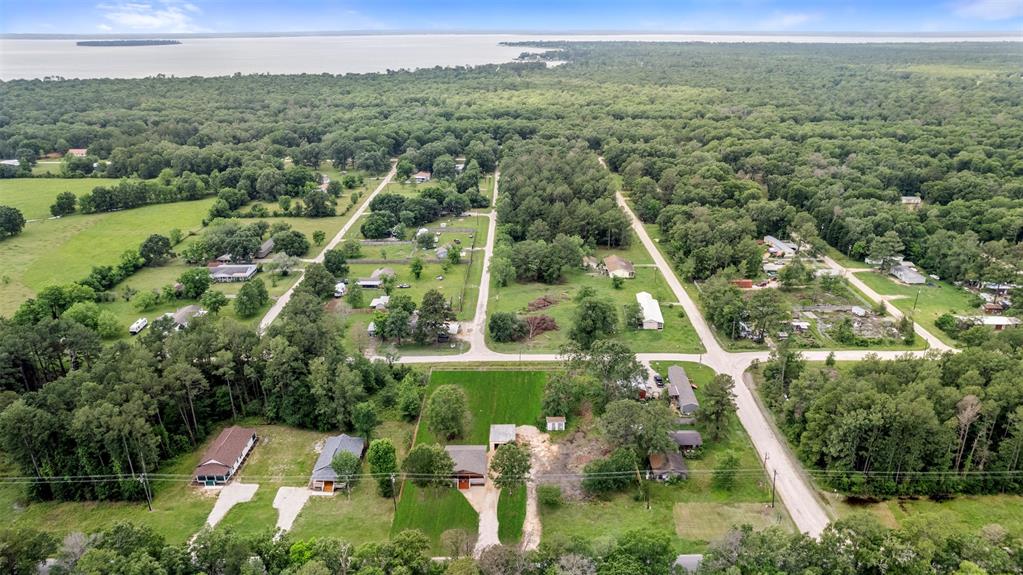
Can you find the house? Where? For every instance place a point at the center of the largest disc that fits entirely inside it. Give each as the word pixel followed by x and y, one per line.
pixel 993 308
pixel 453 327
pixel 369 283
pixel 380 303
pixel 771 268
pixel 908 275
pixel 680 391
pixel 233 273
pixel 687 439
pixel 78 152
pixel 911 203
pixel 800 325
pixel 555 423
pixel 591 263
pixel 15 163
pixel 618 267
pixel 470 464
pixel 265 249
pixel 665 466
pixel 501 433
pixel 224 456
pixel 324 477
pixel 687 564
pixel 996 322
pixel 651 310
pixel 421 177
pixel 183 315
pixel 779 248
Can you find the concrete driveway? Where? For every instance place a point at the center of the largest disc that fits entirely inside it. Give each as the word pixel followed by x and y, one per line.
pixel 230 495
pixel 289 502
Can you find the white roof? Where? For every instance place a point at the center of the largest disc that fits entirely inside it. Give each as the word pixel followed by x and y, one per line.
pixel 382 300
pixel 502 433
pixel 787 248
pixel 991 319
pixel 10 162
pixel 651 309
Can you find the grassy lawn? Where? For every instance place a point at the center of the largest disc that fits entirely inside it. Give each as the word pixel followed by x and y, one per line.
pixel 59 251
pixel 493 397
pixel 33 196
pixel 47 167
pixel 694 511
pixel 433 511
pixel 511 513
pixel 966 513
pixel 935 298
pixel 284 456
pixel 677 336
pixel 635 253
pixel 179 509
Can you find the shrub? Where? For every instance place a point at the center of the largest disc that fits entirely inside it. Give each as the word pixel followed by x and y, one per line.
pixel 549 495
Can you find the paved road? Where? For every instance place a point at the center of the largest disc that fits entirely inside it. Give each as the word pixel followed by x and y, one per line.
pixel 278 306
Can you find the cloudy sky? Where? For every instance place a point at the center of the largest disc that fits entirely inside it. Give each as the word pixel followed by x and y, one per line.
pixel 163 16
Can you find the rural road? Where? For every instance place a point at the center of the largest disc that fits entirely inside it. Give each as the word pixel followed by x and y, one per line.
pixel 278 306
pixel 477 338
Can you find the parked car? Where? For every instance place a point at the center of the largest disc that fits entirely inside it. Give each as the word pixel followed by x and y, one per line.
pixel 404 286
pixel 439 278
pixel 139 325
pixel 340 289
pixel 658 380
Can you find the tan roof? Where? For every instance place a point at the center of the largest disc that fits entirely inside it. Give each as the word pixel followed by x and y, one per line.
pixel 614 263
pixel 224 451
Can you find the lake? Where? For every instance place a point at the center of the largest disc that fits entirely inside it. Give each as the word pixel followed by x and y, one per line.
pixel 334 54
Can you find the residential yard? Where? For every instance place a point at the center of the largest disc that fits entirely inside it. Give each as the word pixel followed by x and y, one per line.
pixel 635 253
pixel 451 286
pixel 434 511
pixel 64 250
pixel 493 397
pixel 179 509
pixel 965 513
pixel 34 196
pixel 694 511
pixel 677 336
pixel 283 456
pixel 511 513
pixel 47 167
pixel 935 298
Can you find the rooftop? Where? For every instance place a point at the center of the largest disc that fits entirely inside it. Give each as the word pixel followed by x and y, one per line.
pixel 468 458
pixel 650 307
pixel 502 433
pixel 333 445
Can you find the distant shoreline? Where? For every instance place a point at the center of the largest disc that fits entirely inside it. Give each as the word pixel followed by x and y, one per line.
pixel 979 36
pixel 121 42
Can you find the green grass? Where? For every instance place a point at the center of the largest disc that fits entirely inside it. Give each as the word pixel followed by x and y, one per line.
pixel 493 397
pixel 965 513
pixel 47 167
pixel 450 286
pixel 934 300
pixel 693 511
pixel 511 513
pixel 33 196
pixel 284 456
pixel 635 253
pixel 433 511
pixel 60 251
pixel 678 335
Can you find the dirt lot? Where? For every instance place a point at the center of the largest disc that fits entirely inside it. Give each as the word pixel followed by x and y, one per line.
pixel 560 463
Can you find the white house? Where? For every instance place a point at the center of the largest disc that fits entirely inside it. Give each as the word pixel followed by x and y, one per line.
pixel 380 303
pixel 421 177
pixel 618 267
pixel 908 275
pixel 651 310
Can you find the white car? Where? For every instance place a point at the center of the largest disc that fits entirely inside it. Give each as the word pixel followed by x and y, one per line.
pixel 340 289
pixel 139 325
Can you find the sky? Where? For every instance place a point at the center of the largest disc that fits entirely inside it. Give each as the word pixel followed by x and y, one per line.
pixel 236 16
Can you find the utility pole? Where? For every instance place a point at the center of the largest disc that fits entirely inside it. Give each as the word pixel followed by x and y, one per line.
pixel 394 495
pixel 145 482
pixel 915 300
pixel 774 480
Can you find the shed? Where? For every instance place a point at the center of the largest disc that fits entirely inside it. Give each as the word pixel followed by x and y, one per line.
pixel 555 423
pixel 324 478
pixel 501 433
pixel 470 464
pixel 618 267
pixel 680 391
pixel 686 438
pixel 224 456
pixel 651 310
pixel 665 466
pixel 265 248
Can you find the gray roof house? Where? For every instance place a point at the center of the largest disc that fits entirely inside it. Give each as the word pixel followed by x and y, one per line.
pixel 687 438
pixel 908 275
pixel 780 248
pixel 265 248
pixel 680 391
pixel 470 464
pixel 182 315
pixel 665 466
pixel 324 477
pixel 233 273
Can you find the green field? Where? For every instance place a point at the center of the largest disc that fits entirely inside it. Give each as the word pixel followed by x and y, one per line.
pixel 511 513
pixel 433 511
pixel 34 196
pixel 60 251
pixel 964 513
pixel 678 335
pixel 493 397
pixel 931 300
pixel 694 511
